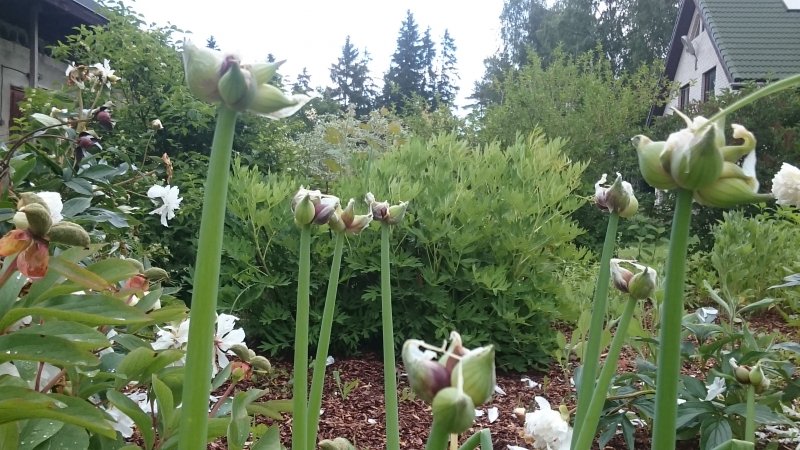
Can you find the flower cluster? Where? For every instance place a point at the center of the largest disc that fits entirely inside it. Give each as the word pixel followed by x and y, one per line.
pixel 697 158
pixel 750 375
pixel 455 384
pixel 94 75
pixel 315 208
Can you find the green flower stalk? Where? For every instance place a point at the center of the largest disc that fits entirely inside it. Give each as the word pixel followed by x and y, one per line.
pixel 619 200
pixel 388 215
pixel 638 286
pixel 341 222
pixel 235 87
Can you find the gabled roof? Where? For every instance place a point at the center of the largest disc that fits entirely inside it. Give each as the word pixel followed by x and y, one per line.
pixel 57 18
pixel 754 39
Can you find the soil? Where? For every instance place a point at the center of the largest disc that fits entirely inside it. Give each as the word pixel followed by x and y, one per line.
pixel 358 413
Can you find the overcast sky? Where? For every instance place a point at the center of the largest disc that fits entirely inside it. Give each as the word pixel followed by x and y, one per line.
pixel 311 33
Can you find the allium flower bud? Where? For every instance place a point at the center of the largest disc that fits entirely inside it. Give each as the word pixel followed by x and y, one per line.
pixel 425 376
pixel 695 157
pixel 202 66
pixel 651 163
pixel 454 410
pixel 382 212
pixel 616 198
pixel 321 209
pixel 236 87
pixel 735 186
pixel 345 220
pixel 640 285
pixel 477 368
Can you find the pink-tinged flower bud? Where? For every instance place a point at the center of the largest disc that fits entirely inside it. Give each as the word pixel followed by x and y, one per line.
pixel 203 70
pixel 322 207
pixel 236 86
pixel 620 275
pixel 615 198
pixel 425 376
pixel 383 212
pixel 103 117
pixel 453 410
pixel 651 164
pixel 87 140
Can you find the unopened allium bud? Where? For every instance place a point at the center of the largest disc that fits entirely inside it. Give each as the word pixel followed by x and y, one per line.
pixel 236 87
pixel 303 210
pixel 453 410
pixel 38 217
pixel 695 157
pixel 383 212
pixel 642 284
pixel 345 220
pixel 69 233
pixel 651 163
pixel 735 186
pixel 425 376
pixel 202 66
pixel 323 206
pixel 477 368
pixel 620 275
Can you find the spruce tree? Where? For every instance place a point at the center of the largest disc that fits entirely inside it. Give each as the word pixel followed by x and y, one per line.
pixel 405 77
pixel 446 87
pixel 303 82
pixel 212 43
pixel 353 87
pixel 428 70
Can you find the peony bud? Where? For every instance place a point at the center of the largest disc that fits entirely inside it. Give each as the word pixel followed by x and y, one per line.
pixel 453 410
pixel 136 263
pixel 156 274
pixel 756 375
pixel 241 351
pixel 261 363
pixel 70 234
pixel 38 217
pixel 741 373
pixel 477 368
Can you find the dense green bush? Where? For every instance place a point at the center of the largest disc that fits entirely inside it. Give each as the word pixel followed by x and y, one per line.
pixel 749 255
pixel 485 248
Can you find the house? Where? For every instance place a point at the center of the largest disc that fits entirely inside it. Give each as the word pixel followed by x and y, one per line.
pixel 723 44
pixel 27 27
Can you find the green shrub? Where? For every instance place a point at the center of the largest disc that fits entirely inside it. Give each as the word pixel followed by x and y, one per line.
pixel 749 255
pixel 485 249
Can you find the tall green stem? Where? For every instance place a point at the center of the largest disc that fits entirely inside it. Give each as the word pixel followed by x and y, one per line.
pixel 592 418
pixel 439 436
pixel 591 354
pixel 750 423
pixel 318 379
pixel 389 373
pixel 197 387
pixel 669 344
pixel 300 386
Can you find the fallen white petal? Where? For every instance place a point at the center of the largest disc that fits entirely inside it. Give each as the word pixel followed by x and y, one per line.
pixel 514 447
pixel 372 421
pixel 499 390
pixel 329 360
pixel 479 413
pixel 530 383
pixel 493 414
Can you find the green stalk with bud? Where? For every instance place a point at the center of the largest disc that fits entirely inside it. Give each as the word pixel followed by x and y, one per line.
pixel 235 87
pixel 617 199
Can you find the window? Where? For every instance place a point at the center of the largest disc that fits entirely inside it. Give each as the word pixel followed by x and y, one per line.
pixel 17 96
pixel 709 79
pixel 684 100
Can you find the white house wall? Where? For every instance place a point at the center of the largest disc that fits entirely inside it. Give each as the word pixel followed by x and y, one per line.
pixel 14 64
pixel 686 72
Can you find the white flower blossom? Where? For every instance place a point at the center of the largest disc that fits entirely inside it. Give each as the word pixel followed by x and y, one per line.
pixel 121 422
pixel 167 197
pixel 54 205
pixel 172 336
pixel 105 73
pixel 717 387
pixel 786 185
pixel 225 338
pixel 547 427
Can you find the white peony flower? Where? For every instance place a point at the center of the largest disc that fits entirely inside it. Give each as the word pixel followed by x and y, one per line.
pixel 54 205
pixel 169 201
pixel 717 387
pixel 786 185
pixel 225 338
pixel 121 422
pixel 105 73
pixel 547 427
pixel 172 336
